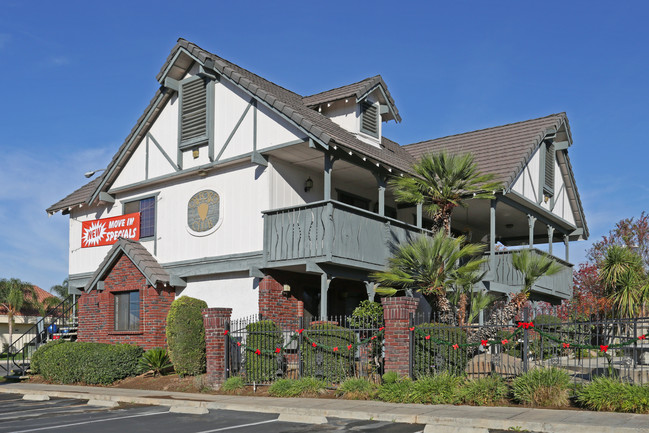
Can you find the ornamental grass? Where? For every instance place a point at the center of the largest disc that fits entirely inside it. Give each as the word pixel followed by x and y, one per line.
pixel 542 387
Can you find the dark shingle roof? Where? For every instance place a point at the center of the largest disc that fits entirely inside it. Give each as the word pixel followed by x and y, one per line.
pixel 501 150
pixel 141 258
pixel 76 198
pixel 355 89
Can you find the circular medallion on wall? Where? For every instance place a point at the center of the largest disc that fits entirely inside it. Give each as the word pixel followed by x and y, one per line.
pixel 203 212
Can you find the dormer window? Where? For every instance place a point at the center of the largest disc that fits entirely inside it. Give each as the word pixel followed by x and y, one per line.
pixel 548 184
pixel 194 112
pixel 370 119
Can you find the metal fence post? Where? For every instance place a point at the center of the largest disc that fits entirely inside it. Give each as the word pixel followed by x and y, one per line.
pixel 226 341
pixel 526 336
pixel 411 346
pixel 300 367
pixel 635 344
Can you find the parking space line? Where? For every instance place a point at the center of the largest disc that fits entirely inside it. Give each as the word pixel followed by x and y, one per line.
pixel 232 427
pixel 68 409
pixel 51 427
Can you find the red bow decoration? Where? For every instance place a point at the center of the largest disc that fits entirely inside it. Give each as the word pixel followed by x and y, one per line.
pixel 277 350
pixel 455 346
pixel 299 331
pixel 335 349
pixel 642 337
pixel 603 348
pixel 484 342
pixel 225 332
pixel 349 347
pixel 505 341
pixel 258 352
pixel 427 337
pixel 381 328
pixel 238 343
pixel 412 328
pixel 525 325
pixel 314 344
pixel 565 345
pixel 373 337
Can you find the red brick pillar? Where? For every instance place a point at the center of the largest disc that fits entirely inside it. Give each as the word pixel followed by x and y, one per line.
pixel 214 320
pixel 396 313
pixel 282 308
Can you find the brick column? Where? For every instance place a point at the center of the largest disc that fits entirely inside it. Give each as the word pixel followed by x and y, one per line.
pixel 214 320
pixel 274 305
pixel 396 313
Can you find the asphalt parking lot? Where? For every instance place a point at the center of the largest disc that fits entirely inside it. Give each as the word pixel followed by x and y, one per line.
pixel 70 415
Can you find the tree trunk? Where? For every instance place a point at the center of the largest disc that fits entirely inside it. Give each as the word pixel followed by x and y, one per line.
pixel 499 317
pixel 444 309
pixel 461 309
pixel 10 318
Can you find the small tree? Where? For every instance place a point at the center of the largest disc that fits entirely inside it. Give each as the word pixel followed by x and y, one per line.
pixel 186 335
pixel 14 296
pixel 432 266
pixel 625 280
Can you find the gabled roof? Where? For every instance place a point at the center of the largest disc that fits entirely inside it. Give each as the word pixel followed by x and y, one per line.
pixel 289 104
pixel 141 258
pixel 501 150
pixel 359 90
pixel 505 151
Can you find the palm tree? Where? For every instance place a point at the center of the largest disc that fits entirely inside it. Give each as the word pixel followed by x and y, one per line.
pixel 60 290
pixel 624 277
pixel 431 266
pixel 533 266
pixel 443 181
pixel 13 299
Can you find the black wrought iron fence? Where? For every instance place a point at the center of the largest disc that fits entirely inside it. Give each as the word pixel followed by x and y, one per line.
pixel 585 346
pixel 334 349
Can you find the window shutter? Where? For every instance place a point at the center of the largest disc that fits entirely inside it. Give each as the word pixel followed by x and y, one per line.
pixel 549 169
pixel 370 119
pixel 194 110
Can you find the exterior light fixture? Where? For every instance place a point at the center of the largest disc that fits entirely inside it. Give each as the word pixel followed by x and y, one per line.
pixel 546 198
pixel 308 184
pixel 286 289
pixel 90 174
pixel 195 153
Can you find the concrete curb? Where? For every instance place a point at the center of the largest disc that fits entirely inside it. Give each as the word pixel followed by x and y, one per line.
pixel 479 421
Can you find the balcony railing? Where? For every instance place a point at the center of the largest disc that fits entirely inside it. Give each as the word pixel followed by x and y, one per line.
pixel 330 231
pixel 503 272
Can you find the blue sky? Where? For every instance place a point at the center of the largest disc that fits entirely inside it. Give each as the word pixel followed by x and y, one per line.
pixel 76 76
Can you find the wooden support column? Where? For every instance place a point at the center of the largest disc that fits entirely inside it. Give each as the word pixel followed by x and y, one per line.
pixel 328 167
pixel 381 181
pixel 550 238
pixel 530 221
pixel 325 280
pixel 492 235
pixel 566 241
pixel 420 214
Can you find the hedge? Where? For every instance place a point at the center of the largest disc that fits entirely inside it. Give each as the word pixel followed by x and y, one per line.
pixel 321 361
pixel 90 363
pixel 265 336
pixel 186 336
pixel 431 357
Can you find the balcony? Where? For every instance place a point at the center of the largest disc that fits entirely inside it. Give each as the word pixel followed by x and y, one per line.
pixel 502 277
pixel 332 232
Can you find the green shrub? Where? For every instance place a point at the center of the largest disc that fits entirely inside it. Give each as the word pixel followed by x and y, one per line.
pixel 155 360
pixel 390 377
pixel 369 314
pixel 486 391
pixel 357 389
pixel 186 335
pixel 324 362
pixel 306 386
pixel 90 363
pixel 397 391
pixel 264 335
pixel 434 358
pixel 608 394
pixel 542 387
pixel 233 385
pixel 35 362
pixel 439 389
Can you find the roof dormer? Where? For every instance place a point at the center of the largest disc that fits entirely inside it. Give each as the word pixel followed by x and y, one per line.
pixel 360 108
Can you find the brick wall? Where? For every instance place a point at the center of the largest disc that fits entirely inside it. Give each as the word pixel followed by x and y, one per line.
pixel 396 314
pixel 275 305
pixel 214 320
pixel 97 309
